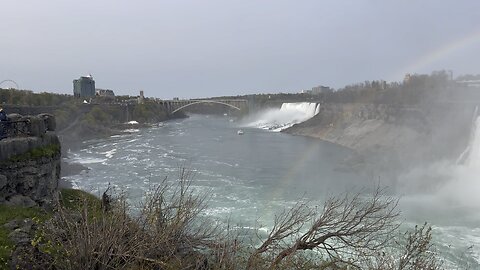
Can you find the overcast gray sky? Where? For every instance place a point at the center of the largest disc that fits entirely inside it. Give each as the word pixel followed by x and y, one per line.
pixel 210 48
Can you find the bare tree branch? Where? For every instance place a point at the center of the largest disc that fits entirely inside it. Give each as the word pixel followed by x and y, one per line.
pixel 346 228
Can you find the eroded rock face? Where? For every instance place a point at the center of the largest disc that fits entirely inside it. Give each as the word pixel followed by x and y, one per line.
pixel 398 136
pixel 30 162
pixel 30 182
pixel 19 145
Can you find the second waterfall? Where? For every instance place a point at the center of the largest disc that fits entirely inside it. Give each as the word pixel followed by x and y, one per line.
pixel 286 116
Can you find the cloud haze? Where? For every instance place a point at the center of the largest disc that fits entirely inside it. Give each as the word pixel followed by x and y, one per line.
pixel 211 48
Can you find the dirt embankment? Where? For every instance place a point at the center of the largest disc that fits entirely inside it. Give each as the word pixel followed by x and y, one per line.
pixel 399 136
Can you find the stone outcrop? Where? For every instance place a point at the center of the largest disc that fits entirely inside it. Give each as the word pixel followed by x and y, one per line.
pixel 30 162
pixel 15 146
pixel 31 181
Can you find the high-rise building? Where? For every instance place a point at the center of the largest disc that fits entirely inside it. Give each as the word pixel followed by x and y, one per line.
pixel 84 87
pixel 141 98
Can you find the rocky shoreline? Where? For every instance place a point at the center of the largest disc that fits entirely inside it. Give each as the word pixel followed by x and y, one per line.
pixel 392 137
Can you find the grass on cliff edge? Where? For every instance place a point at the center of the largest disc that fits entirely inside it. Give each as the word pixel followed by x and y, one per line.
pixel 74 199
pixel 69 198
pixel 39 152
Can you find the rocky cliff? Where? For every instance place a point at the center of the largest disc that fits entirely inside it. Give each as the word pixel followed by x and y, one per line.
pixel 394 136
pixel 30 162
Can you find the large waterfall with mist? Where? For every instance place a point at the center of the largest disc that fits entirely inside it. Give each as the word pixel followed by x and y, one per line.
pixel 284 117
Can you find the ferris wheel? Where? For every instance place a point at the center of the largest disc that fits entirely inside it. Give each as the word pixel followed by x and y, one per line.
pixel 10 82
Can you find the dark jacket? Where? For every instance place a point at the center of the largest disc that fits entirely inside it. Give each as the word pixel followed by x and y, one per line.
pixel 3 116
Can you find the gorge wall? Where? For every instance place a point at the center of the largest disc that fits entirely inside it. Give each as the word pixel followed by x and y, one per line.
pixel 30 163
pixel 396 136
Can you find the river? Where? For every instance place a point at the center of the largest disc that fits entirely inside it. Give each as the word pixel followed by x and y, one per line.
pixel 253 176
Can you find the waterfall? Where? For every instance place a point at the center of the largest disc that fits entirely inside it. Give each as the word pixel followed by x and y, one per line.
pixel 474 156
pixel 288 115
pixel 472 150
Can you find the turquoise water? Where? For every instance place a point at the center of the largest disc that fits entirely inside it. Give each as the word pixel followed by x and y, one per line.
pixel 251 177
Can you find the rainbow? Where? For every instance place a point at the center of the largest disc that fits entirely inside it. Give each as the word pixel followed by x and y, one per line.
pixel 439 53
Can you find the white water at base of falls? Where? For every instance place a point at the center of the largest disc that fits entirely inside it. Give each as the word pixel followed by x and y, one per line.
pixel 285 117
pixel 446 195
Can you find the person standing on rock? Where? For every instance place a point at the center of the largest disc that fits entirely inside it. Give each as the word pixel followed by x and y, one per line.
pixel 3 124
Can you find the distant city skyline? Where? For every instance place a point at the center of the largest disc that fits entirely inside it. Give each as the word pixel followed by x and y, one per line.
pixel 192 49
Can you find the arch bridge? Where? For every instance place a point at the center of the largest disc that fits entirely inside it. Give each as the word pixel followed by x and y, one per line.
pixel 174 106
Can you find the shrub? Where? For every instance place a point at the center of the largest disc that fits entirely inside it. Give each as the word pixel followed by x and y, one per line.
pixel 168 231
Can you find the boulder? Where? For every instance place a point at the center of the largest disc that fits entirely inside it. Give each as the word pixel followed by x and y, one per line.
pixel 49 119
pixel 36 126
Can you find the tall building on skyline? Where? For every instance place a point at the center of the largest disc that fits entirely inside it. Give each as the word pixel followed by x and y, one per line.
pixel 84 87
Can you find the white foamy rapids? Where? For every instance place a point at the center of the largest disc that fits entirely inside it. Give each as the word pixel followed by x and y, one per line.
pixel 109 154
pixel 285 117
pixel 89 160
pixel 131 130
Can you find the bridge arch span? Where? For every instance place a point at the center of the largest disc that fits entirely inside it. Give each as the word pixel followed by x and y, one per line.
pixel 205 101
